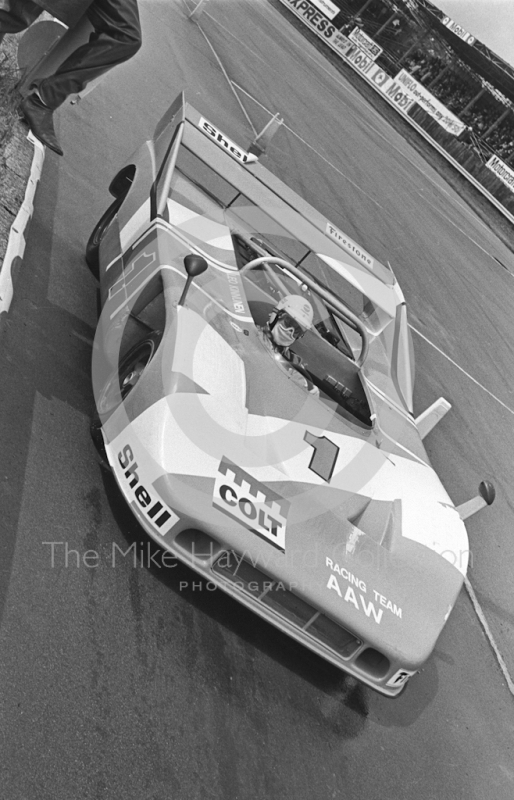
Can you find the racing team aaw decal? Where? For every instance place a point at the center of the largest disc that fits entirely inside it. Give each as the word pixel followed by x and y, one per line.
pixel 353 590
pixel 252 504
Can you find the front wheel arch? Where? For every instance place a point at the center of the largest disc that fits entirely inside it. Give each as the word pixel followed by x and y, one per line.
pixel 133 363
pixel 119 187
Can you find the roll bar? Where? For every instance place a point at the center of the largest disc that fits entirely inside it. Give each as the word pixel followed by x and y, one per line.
pixel 336 306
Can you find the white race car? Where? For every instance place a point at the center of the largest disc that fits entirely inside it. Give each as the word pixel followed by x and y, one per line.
pixel 253 376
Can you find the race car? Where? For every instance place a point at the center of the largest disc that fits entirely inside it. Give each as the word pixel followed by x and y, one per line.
pixel 253 372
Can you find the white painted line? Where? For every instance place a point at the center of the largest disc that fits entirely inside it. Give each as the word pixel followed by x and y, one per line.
pixel 336 169
pixel 333 166
pixel 323 158
pixel 318 58
pixel 439 185
pixel 481 616
pixel 510 410
pixel 384 210
pixel 248 49
pixel 481 188
pixel 216 56
pixel 16 242
pixel 438 210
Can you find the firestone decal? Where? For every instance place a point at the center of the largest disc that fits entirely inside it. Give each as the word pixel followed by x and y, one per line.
pixel 357 596
pixel 357 252
pixel 248 501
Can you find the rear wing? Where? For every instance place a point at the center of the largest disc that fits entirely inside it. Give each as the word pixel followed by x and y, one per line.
pixel 183 124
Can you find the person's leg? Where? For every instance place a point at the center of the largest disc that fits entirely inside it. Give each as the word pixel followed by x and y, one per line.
pixel 16 15
pixel 116 38
pixel 40 121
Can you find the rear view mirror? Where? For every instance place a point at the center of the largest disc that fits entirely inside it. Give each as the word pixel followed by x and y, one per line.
pixel 194 265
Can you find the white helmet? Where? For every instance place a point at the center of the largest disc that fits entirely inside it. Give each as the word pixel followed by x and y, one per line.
pixel 298 308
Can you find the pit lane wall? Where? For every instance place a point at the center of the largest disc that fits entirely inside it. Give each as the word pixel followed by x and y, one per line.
pixel 422 110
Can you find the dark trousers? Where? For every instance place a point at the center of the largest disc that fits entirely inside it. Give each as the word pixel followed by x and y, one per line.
pixel 116 38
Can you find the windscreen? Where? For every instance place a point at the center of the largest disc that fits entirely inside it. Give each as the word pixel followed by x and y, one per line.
pixel 316 353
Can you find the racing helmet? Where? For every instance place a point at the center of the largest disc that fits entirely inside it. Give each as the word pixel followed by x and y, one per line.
pixel 298 308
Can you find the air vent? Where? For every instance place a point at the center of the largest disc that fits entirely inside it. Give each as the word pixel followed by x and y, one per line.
pixel 237 570
pixel 275 596
pixel 373 663
pixel 333 635
pixel 199 545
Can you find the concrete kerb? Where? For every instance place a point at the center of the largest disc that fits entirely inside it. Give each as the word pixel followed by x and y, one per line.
pixel 13 258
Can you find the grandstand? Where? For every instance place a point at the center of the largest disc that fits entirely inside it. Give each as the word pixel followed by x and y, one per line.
pixel 456 93
pixel 466 76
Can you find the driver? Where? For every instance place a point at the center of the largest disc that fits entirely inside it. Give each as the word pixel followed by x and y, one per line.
pixel 289 320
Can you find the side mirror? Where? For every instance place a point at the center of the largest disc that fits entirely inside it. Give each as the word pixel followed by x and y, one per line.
pixel 194 265
pixel 485 497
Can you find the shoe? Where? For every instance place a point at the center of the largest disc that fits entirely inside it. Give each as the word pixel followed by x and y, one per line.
pixel 40 121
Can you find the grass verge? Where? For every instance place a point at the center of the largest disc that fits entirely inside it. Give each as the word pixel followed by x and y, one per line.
pixel 9 97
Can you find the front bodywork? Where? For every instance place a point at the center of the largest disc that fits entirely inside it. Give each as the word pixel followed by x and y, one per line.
pixel 320 513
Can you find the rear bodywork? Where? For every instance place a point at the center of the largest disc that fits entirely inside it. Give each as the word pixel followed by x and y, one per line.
pixel 319 512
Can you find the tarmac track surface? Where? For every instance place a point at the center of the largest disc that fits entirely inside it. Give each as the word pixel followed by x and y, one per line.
pixel 118 681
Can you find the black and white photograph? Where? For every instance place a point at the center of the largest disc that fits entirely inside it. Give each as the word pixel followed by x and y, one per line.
pixel 256 400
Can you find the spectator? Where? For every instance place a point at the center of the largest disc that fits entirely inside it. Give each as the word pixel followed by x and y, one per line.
pixel 116 37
